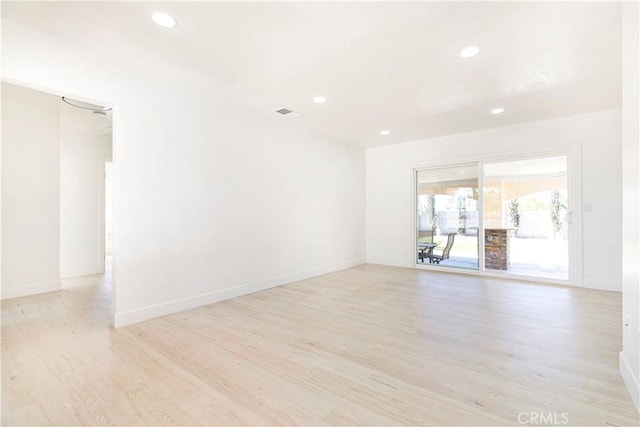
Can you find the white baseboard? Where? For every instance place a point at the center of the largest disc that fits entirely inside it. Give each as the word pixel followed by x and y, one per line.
pixel 602 285
pixel 630 380
pixel 129 317
pixel 38 288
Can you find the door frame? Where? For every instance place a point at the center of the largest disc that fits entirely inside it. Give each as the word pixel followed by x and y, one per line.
pixel 573 155
pixel 102 192
pixel 115 142
pixel 415 210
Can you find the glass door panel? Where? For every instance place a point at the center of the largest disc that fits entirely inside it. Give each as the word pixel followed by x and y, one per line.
pixel 525 205
pixel 447 217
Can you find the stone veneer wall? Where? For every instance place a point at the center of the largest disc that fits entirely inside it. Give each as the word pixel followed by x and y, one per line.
pixel 496 248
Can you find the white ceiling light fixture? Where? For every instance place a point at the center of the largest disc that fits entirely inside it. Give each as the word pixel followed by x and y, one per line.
pixel 384 132
pixel 497 110
pixel 163 19
pixel 469 51
pixel 319 99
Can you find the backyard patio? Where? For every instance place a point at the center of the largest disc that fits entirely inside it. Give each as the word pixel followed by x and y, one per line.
pixel 534 257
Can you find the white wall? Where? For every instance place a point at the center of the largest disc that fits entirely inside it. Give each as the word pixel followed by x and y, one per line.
pixel 212 197
pixel 630 356
pixel 30 198
pixel 83 150
pixel 389 185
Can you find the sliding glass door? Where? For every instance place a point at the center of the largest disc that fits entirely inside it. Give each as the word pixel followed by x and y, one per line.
pixel 526 217
pixel 519 208
pixel 447 217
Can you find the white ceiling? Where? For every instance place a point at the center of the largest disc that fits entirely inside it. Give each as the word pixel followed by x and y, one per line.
pixel 381 65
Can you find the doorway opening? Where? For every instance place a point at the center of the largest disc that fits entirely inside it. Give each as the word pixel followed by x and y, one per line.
pixel 108 216
pixel 55 204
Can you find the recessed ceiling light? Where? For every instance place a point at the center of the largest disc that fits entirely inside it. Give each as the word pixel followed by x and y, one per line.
pixel 384 132
pixel 498 110
pixel 319 99
pixel 469 51
pixel 163 19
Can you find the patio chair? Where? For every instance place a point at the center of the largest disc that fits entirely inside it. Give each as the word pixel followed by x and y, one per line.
pixel 445 252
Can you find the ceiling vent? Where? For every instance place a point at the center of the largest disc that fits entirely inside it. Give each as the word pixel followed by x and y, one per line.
pixel 288 113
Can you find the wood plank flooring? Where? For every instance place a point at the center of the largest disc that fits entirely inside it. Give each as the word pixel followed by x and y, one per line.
pixel 370 345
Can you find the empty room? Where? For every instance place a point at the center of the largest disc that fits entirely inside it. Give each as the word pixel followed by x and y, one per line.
pixel 320 213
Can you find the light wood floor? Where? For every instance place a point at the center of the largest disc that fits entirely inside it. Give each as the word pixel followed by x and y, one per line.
pixel 368 345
